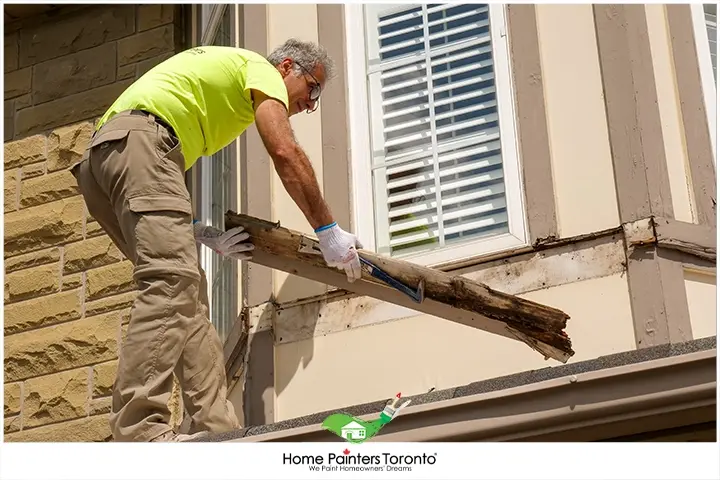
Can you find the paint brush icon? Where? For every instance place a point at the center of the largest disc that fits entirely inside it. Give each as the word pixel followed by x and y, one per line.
pixel 393 409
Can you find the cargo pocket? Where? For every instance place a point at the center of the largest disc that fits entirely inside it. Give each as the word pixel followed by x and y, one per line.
pixel 160 202
pixel 161 227
pixel 104 140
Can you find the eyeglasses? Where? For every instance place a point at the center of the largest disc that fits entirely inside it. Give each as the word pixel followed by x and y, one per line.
pixel 315 89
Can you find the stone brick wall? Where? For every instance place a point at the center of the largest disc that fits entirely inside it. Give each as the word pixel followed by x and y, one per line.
pixel 67 288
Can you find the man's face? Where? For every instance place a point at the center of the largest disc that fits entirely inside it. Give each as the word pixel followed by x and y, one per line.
pixel 303 88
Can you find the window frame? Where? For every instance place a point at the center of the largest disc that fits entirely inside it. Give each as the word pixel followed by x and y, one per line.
pixel 707 79
pixel 361 156
pixel 200 176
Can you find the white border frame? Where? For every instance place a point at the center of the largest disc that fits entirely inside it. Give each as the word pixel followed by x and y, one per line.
pixel 361 154
pixel 702 46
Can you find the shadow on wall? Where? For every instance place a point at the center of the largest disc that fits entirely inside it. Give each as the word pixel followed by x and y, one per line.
pixel 262 384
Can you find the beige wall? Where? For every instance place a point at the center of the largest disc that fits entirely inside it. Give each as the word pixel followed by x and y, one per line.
pixel 415 354
pixel 701 290
pixel 298 21
pixel 579 147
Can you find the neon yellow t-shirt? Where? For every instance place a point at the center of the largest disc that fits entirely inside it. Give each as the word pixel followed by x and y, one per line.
pixel 204 93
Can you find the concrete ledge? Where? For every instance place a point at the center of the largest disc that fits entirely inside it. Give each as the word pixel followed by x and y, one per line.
pixel 651 388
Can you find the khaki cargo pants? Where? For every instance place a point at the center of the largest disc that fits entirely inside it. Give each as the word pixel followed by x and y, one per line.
pixel 132 179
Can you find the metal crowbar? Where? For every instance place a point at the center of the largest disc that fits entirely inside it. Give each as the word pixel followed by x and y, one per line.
pixel 375 271
pixel 309 246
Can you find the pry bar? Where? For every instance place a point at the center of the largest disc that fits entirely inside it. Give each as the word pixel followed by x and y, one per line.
pixel 310 246
pixel 417 295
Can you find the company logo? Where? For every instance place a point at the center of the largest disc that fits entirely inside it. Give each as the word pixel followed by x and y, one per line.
pixel 357 462
pixel 355 430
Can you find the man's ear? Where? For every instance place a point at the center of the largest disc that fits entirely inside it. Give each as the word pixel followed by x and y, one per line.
pixel 285 67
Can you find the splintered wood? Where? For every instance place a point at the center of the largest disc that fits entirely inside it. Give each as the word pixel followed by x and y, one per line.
pixel 452 297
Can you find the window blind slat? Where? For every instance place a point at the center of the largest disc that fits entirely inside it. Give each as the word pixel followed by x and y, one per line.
pixel 480 92
pixel 406 111
pixel 456 143
pixel 388 74
pixel 402 126
pixel 375 65
pixel 454 71
pixel 450 185
pixel 464 83
pixel 404 98
pixel 454 170
pixel 404 84
pixel 398 19
pixel 415 237
pixel 430 219
pixel 456 17
pixel 430 233
pixel 402 31
pixel 485 222
pixel 449 200
pixel 458 30
pixel 438 59
pixel 493 117
pixel 435 61
pixel 386 50
pixel 462 111
pixel 412 15
pixel 458 70
pixel 399 45
pixel 453 155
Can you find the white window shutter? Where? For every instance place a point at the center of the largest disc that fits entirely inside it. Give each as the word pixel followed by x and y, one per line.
pixel 435 133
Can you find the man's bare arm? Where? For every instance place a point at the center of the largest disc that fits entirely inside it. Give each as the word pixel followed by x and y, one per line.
pixel 292 165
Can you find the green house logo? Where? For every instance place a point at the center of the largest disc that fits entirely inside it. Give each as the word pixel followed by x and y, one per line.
pixel 355 430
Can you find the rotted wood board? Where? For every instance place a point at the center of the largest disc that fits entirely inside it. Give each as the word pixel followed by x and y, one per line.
pixel 451 297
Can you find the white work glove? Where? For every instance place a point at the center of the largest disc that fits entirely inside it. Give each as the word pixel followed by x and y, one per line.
pixel 231 243
pixel 339 250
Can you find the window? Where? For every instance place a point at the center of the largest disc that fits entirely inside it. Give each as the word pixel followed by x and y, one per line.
pixel 704 19
pixel 711 27
pixel 216 183
pixel 442 160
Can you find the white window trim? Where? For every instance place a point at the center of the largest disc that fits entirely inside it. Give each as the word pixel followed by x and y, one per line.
pixel 203 175
pixel 204 213
pixel 360 145
pixel 702 46
pixel 360 149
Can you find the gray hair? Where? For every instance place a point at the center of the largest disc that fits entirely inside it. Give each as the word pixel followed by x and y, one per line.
pixel 308 54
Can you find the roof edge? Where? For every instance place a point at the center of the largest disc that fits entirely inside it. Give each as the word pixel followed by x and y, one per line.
pixel 640 379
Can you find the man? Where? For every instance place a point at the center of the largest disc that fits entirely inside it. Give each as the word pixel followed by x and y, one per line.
pixel 132 179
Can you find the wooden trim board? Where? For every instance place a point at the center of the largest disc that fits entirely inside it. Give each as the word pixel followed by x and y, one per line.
pixel 534 141
pixel 325 315
pixel 334 115
pixel 633 115
pixel 693 112
pixel 698 240
pixel 447 296
pixel 257 174
pixel 257 280
pixel 690 238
